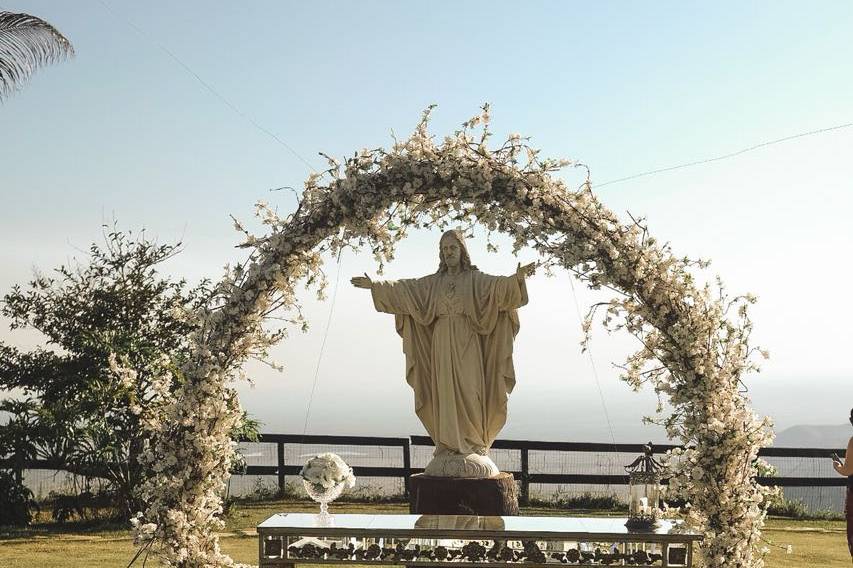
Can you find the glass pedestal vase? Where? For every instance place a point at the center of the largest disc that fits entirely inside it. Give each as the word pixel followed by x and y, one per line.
pixel 323 495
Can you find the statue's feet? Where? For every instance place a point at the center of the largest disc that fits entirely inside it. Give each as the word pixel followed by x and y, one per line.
pixel 460 465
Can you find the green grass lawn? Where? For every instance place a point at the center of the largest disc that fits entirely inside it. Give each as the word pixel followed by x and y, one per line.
pixel 815 543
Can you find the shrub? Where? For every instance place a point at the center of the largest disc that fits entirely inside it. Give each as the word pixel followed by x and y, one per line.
pixel 16 501
pixel 594 501
pixel 76 411
pixel 794 509
pixel 84 506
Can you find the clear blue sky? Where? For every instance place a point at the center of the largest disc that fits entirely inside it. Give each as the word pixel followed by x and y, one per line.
pixel 125 131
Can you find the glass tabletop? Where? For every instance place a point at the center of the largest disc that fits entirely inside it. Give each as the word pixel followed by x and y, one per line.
pixel 465 523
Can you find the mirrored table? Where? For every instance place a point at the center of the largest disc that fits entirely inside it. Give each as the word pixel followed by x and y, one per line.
pixel 286 539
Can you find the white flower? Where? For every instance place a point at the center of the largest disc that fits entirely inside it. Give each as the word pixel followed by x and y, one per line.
pixel 327 470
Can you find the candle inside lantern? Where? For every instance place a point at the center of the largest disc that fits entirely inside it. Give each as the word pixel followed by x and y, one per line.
pixel 643 482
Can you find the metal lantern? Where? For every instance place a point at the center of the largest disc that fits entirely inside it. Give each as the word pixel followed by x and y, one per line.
pixel 644 489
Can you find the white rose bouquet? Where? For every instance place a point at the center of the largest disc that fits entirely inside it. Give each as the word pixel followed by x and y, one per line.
pixel 324 471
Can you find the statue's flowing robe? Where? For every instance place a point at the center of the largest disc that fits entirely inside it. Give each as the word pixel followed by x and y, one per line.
pixel 457 332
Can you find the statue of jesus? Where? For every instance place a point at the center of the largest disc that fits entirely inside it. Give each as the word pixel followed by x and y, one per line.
pixel 458 327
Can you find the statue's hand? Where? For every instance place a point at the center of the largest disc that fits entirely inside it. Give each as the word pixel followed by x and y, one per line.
pixel 523 272
pixel 362 281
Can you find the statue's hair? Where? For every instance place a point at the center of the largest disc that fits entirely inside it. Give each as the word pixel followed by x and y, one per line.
pixel 465 258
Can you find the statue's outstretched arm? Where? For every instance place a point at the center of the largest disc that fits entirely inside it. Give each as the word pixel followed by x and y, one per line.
pixel 523 272
pixel 362 281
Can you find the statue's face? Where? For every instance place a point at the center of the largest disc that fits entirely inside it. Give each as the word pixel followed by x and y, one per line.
pixel 451 251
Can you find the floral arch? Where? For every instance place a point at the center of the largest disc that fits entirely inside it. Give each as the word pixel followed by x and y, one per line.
pixel 694 340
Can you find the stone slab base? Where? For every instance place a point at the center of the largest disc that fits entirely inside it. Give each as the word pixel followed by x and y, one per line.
pixel 496 495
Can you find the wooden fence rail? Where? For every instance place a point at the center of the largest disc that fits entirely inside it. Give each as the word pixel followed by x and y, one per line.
pixel 282 469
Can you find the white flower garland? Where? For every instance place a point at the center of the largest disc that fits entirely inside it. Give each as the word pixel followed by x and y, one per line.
pixel 695 341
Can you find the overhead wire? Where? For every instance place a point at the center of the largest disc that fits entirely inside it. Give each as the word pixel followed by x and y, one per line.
pixel 281 142
pixel 726 156
pixel 208 86
pixel 593 367
pixel 322 347
pixel 677 167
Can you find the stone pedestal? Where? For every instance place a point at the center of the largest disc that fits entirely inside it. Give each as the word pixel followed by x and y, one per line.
pixel 496 495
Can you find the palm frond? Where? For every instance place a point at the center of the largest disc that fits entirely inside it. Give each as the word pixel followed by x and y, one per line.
pixel 27 43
